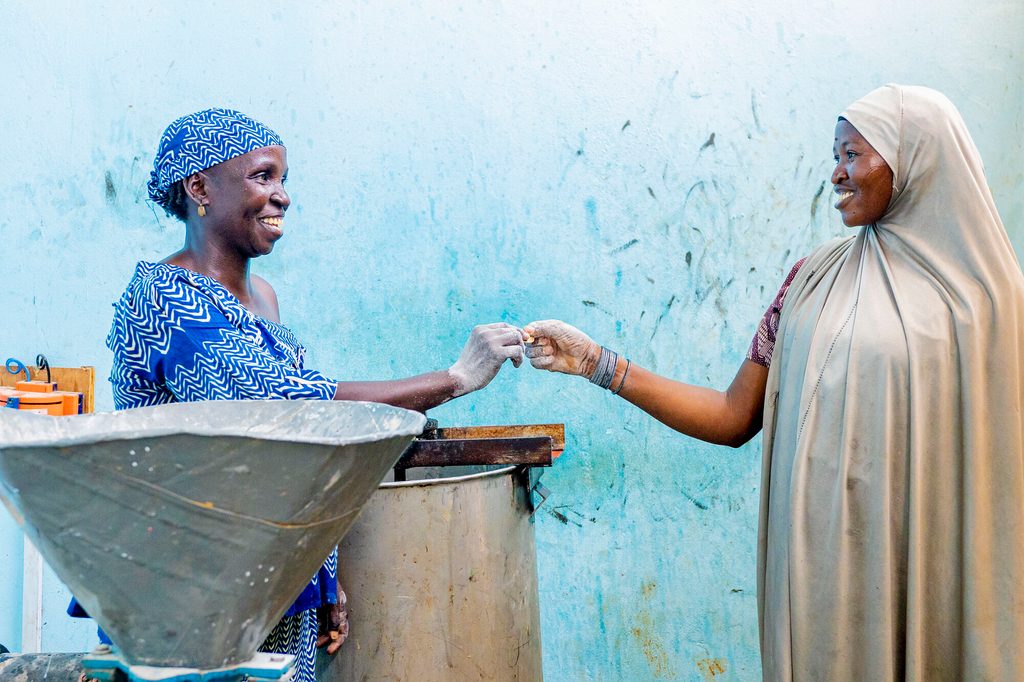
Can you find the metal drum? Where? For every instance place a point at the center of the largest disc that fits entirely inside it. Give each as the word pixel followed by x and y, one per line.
pixel 441 576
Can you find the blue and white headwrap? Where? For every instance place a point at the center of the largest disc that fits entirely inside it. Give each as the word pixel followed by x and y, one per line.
pixel 201 140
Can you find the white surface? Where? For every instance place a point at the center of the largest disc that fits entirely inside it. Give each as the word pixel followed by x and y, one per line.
pixel 32 601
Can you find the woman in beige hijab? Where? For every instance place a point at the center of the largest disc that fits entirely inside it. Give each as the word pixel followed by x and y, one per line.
pixel 891 540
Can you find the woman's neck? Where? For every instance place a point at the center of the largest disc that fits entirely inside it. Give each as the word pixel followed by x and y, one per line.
pixel 230 269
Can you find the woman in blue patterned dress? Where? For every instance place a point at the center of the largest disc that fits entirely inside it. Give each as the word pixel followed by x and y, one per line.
pixel 199 326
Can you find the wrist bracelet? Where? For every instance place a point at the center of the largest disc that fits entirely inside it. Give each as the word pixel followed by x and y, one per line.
pixel 622 382
pixel 604 372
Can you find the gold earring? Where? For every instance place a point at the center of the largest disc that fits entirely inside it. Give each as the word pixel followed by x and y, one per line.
pixel 202 210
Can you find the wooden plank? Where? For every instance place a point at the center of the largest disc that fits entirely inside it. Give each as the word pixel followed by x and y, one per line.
pixel 79 379
pixel 554 431
pixel 531 451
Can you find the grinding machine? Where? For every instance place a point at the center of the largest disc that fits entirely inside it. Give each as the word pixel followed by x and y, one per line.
pixel 186 530
pixel 216 513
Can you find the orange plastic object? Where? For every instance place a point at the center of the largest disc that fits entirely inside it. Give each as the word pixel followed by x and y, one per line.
pixel 72 402
pixel 56 403
pixel 5 393
pixel 35 386
pixel 46 403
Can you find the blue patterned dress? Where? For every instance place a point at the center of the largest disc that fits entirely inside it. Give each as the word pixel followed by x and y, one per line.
pixel 179 336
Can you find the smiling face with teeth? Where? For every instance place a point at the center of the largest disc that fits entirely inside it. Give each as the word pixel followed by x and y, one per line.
pixel 245 201
pixel 862 178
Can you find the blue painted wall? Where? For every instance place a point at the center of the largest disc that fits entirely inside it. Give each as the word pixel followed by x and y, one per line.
pixel 645 170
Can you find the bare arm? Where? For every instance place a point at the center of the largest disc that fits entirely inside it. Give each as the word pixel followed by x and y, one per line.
pixel 730 417
pixel 488 347
pixel 419 393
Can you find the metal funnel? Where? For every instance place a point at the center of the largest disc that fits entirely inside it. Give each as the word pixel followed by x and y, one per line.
pixel 186 530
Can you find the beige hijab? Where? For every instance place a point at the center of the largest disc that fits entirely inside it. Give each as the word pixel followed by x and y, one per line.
pixel 892 514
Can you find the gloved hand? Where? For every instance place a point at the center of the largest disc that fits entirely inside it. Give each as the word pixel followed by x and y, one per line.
pixel 489 345
pixel 560 347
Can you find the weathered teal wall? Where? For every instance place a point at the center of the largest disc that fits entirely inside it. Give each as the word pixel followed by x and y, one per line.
pixel 644 170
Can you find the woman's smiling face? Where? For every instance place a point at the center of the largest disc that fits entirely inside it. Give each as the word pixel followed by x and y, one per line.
pixel 248 199
pixel 862 178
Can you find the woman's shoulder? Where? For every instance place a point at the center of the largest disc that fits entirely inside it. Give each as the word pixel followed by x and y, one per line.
pixel 148 273
pixel 829 250
pixel 161 284
pixel 792 272
pixel 266 302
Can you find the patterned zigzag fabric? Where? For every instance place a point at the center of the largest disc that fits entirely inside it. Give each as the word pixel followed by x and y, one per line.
pixel 201 140
pixel 179 336
pixel 296 635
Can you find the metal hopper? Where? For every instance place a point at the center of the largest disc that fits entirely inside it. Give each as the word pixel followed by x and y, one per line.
pixel 186 530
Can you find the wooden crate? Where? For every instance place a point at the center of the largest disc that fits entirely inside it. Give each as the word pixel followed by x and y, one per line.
pixel 79 379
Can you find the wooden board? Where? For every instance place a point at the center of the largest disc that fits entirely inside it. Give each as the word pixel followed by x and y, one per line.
pixel 79 379
pixel 556 432
pixel 529 451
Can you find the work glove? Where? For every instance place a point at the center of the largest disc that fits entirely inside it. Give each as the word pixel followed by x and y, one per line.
pixel 489 345
pixel 559 347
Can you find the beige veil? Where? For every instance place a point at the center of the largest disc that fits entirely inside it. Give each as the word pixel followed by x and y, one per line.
pixel 892 513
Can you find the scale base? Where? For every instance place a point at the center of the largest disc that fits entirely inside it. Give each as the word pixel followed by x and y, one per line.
pixel 105 664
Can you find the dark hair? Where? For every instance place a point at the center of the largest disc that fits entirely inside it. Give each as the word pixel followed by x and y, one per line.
pixel 176 201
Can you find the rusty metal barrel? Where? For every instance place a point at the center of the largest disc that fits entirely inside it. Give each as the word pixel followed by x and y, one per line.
pixel 441 575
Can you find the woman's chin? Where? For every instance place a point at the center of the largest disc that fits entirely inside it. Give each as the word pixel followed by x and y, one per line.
pixel 265 246
pixel 264 249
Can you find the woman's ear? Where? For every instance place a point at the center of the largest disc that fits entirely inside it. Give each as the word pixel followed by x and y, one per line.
pixel 196 188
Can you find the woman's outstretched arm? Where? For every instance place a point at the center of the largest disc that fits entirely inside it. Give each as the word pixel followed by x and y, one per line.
pixel 420 392
pixel 488 347
pixel 730 417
